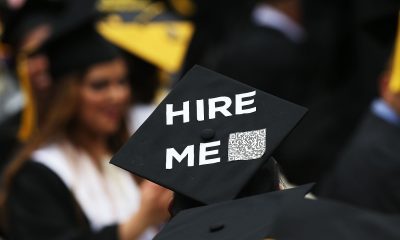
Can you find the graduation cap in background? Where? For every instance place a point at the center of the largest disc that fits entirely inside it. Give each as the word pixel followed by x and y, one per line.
pixel 249 218
pixel 20 20
pixel 281 215
pixel 75 51
pixel 63 17
pixel 304 219
pixel 151 33
pixel 394 83
pixel 208 137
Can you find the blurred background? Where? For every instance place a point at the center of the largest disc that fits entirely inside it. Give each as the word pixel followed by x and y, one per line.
pixel 315 54
pixel 330 56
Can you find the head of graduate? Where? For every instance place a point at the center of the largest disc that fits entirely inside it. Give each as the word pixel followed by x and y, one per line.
pixel 89 98
pixel 91 90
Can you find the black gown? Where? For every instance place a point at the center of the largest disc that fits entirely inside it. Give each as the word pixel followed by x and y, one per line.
pixel 40 206
pixel 265 58
pixel 9 141
pixel 368 173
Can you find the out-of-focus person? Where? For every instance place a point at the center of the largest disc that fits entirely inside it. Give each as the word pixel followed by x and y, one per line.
pixel 155 57
pixel 214 23
pixel 61 185
pixel 25 27
pixel 344 63
pixel 268 54
pixel 368 172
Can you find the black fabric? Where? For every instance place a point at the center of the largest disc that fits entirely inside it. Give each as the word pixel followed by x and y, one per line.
pixel 367 174
pixel 345 64
pixel 9 142
pixel 214 22
pixel 379 18
pixel 143 77
pixel 265 180
pixel 284 215
pixel 18 22
pixel 266 59
pixel 75 51
pixel 246 219
pixel 305 219
pixel 41 207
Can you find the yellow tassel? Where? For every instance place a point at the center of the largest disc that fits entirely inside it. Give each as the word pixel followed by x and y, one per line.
pixel 28 120
pixel 394 84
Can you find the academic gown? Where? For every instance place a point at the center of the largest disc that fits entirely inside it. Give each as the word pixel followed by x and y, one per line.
pixel 368 173
pixel 40 206
pixel 8 139
pixel 265 58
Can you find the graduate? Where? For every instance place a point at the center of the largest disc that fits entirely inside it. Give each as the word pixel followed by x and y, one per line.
pixel 25 28
pixel 60 186
pixel 367 174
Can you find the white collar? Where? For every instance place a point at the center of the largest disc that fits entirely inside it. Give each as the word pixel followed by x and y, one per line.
pixel 107 197
pixel 268 16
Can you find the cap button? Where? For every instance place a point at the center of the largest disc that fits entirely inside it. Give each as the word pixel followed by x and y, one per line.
pixel 207 134
pixel 216 227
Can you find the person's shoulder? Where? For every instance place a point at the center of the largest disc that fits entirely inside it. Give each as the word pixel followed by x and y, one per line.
pixel 35 173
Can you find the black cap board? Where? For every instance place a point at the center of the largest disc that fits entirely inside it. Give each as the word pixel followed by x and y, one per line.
pixel 305 219
pixel 248 218
pixel 74 43
pixel 18 21
pixel 77 50
pixel 281 215
pixel 209 136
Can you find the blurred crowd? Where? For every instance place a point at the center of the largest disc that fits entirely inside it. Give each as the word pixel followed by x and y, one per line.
pixel 77 78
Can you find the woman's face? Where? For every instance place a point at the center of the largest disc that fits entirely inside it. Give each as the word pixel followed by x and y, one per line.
pixel 105 97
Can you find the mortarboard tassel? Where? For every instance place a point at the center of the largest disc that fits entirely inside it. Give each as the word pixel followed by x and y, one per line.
pixel 28 120
pixel 394 83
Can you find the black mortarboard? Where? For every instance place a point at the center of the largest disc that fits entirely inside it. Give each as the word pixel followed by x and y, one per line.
pixel 209 136
pixel 17 22
pixel 282 215
pixel 76 51
pixel 305 219
pixel 74 44
pixel 248 218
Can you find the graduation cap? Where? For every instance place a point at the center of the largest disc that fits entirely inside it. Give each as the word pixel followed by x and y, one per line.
pixel 65 21
pixel 76 51
pixel 75 44
pixel 394 83
pixel 209 136
pixel 249 218
pixel 19 21
pixel 151 33
pixel 282 215
pixel 304 219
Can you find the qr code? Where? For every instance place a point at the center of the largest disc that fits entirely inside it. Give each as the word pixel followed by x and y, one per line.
pixel 247 145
